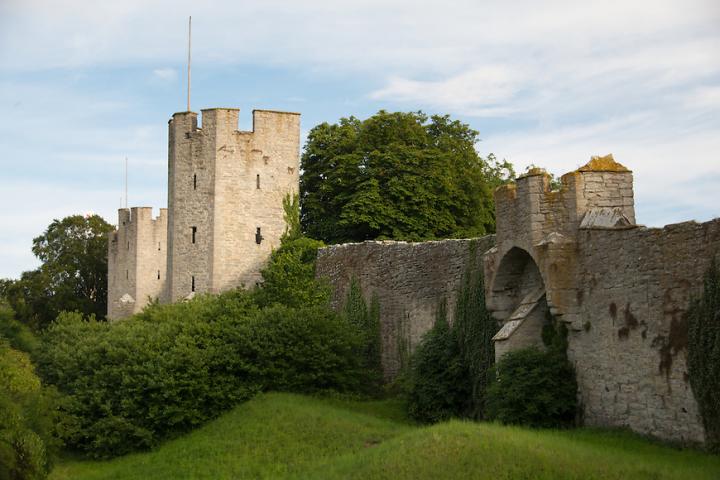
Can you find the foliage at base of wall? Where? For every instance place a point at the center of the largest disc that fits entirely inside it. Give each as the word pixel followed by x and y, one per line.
pixel 535 387
pixel 448 376
pixel 704 354
pixel 367 320
pixel 28 418
pixel 289 278
pixel 171 368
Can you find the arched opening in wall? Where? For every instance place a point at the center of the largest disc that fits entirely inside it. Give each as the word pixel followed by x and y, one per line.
pixel 519 302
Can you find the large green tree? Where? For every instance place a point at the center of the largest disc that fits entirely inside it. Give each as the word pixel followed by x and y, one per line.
pixel 73 274
pixel 397 176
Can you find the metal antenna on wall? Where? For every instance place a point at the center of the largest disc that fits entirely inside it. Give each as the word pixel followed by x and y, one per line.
pixel 189 58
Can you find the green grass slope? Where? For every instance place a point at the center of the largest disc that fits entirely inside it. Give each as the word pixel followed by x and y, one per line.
pixel 292 436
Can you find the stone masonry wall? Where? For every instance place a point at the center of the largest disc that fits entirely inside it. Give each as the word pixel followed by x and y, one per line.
pixel 229 186
pixel 409 279
pixel 634 286
pixel 136 261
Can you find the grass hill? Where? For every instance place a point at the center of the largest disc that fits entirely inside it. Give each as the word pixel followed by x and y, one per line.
pixel 292 436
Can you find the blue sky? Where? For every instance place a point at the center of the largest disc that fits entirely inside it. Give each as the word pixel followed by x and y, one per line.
pixel 84 84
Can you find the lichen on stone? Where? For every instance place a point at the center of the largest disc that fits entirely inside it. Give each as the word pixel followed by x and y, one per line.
pixel 602 164
pixel 534 172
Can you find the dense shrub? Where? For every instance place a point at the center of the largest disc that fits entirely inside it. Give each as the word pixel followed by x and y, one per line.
pixel 534 387
pixel 307 350
pixel 289 278
pixel 448 376
pixel 440 381
pixel 173 367
pixel 474 329
pixel 18 335
pixel 28 418
pixel 367 320
pixel 704 354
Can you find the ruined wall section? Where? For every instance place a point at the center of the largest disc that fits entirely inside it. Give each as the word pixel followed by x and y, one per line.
pixel 630 352
pixel 227 187
pixel 136 261
pixel 409 279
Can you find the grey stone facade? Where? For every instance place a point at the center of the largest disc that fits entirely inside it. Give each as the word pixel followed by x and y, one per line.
pixel 137 255
pixel 225 212
pixel 621 289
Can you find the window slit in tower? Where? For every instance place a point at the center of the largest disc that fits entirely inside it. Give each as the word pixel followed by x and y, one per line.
pixel 195 181
pixel 192 284
pixel 258 236
pixel 127 274
pixel 257 181
pixel 194 233
pixel 158 274
pixel 158 246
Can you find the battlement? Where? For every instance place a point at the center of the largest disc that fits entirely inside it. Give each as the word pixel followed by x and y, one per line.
pixel 597 195
pixel 224 121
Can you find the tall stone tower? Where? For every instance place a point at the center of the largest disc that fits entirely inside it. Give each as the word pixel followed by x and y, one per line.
pixel 225 195
pixel 137 252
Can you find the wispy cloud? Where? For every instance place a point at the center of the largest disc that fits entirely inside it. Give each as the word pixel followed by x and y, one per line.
pixel 482 91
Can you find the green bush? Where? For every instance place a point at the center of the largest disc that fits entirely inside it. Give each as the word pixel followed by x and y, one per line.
pixel 18 335
pixel 704 354
pixel 289 278
pixel 28 418
pixel 367 321
pixel 448 373
pixel 307 350
pixel 534 388
pixel 134 382
pixel 440 381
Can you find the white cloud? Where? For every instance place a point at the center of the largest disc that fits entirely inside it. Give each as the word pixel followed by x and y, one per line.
pixel 483 91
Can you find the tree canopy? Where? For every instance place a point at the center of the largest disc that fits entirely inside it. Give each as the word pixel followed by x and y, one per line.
pixel 73 274
pixel 405 176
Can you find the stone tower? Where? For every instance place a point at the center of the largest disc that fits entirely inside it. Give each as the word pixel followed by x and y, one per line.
pixel 225 195
pixel 137 252
pixel 534 266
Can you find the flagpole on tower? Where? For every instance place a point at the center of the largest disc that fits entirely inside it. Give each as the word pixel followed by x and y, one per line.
pixel 189 59
pixel 126 182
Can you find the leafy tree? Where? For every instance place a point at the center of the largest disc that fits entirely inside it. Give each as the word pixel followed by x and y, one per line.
pixel 397 175
pixel 73 274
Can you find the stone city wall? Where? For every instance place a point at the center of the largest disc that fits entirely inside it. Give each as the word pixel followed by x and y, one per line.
pixel 630 344
pixel 409 279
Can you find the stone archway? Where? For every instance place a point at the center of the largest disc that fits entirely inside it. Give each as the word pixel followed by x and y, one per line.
pixel 518 301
